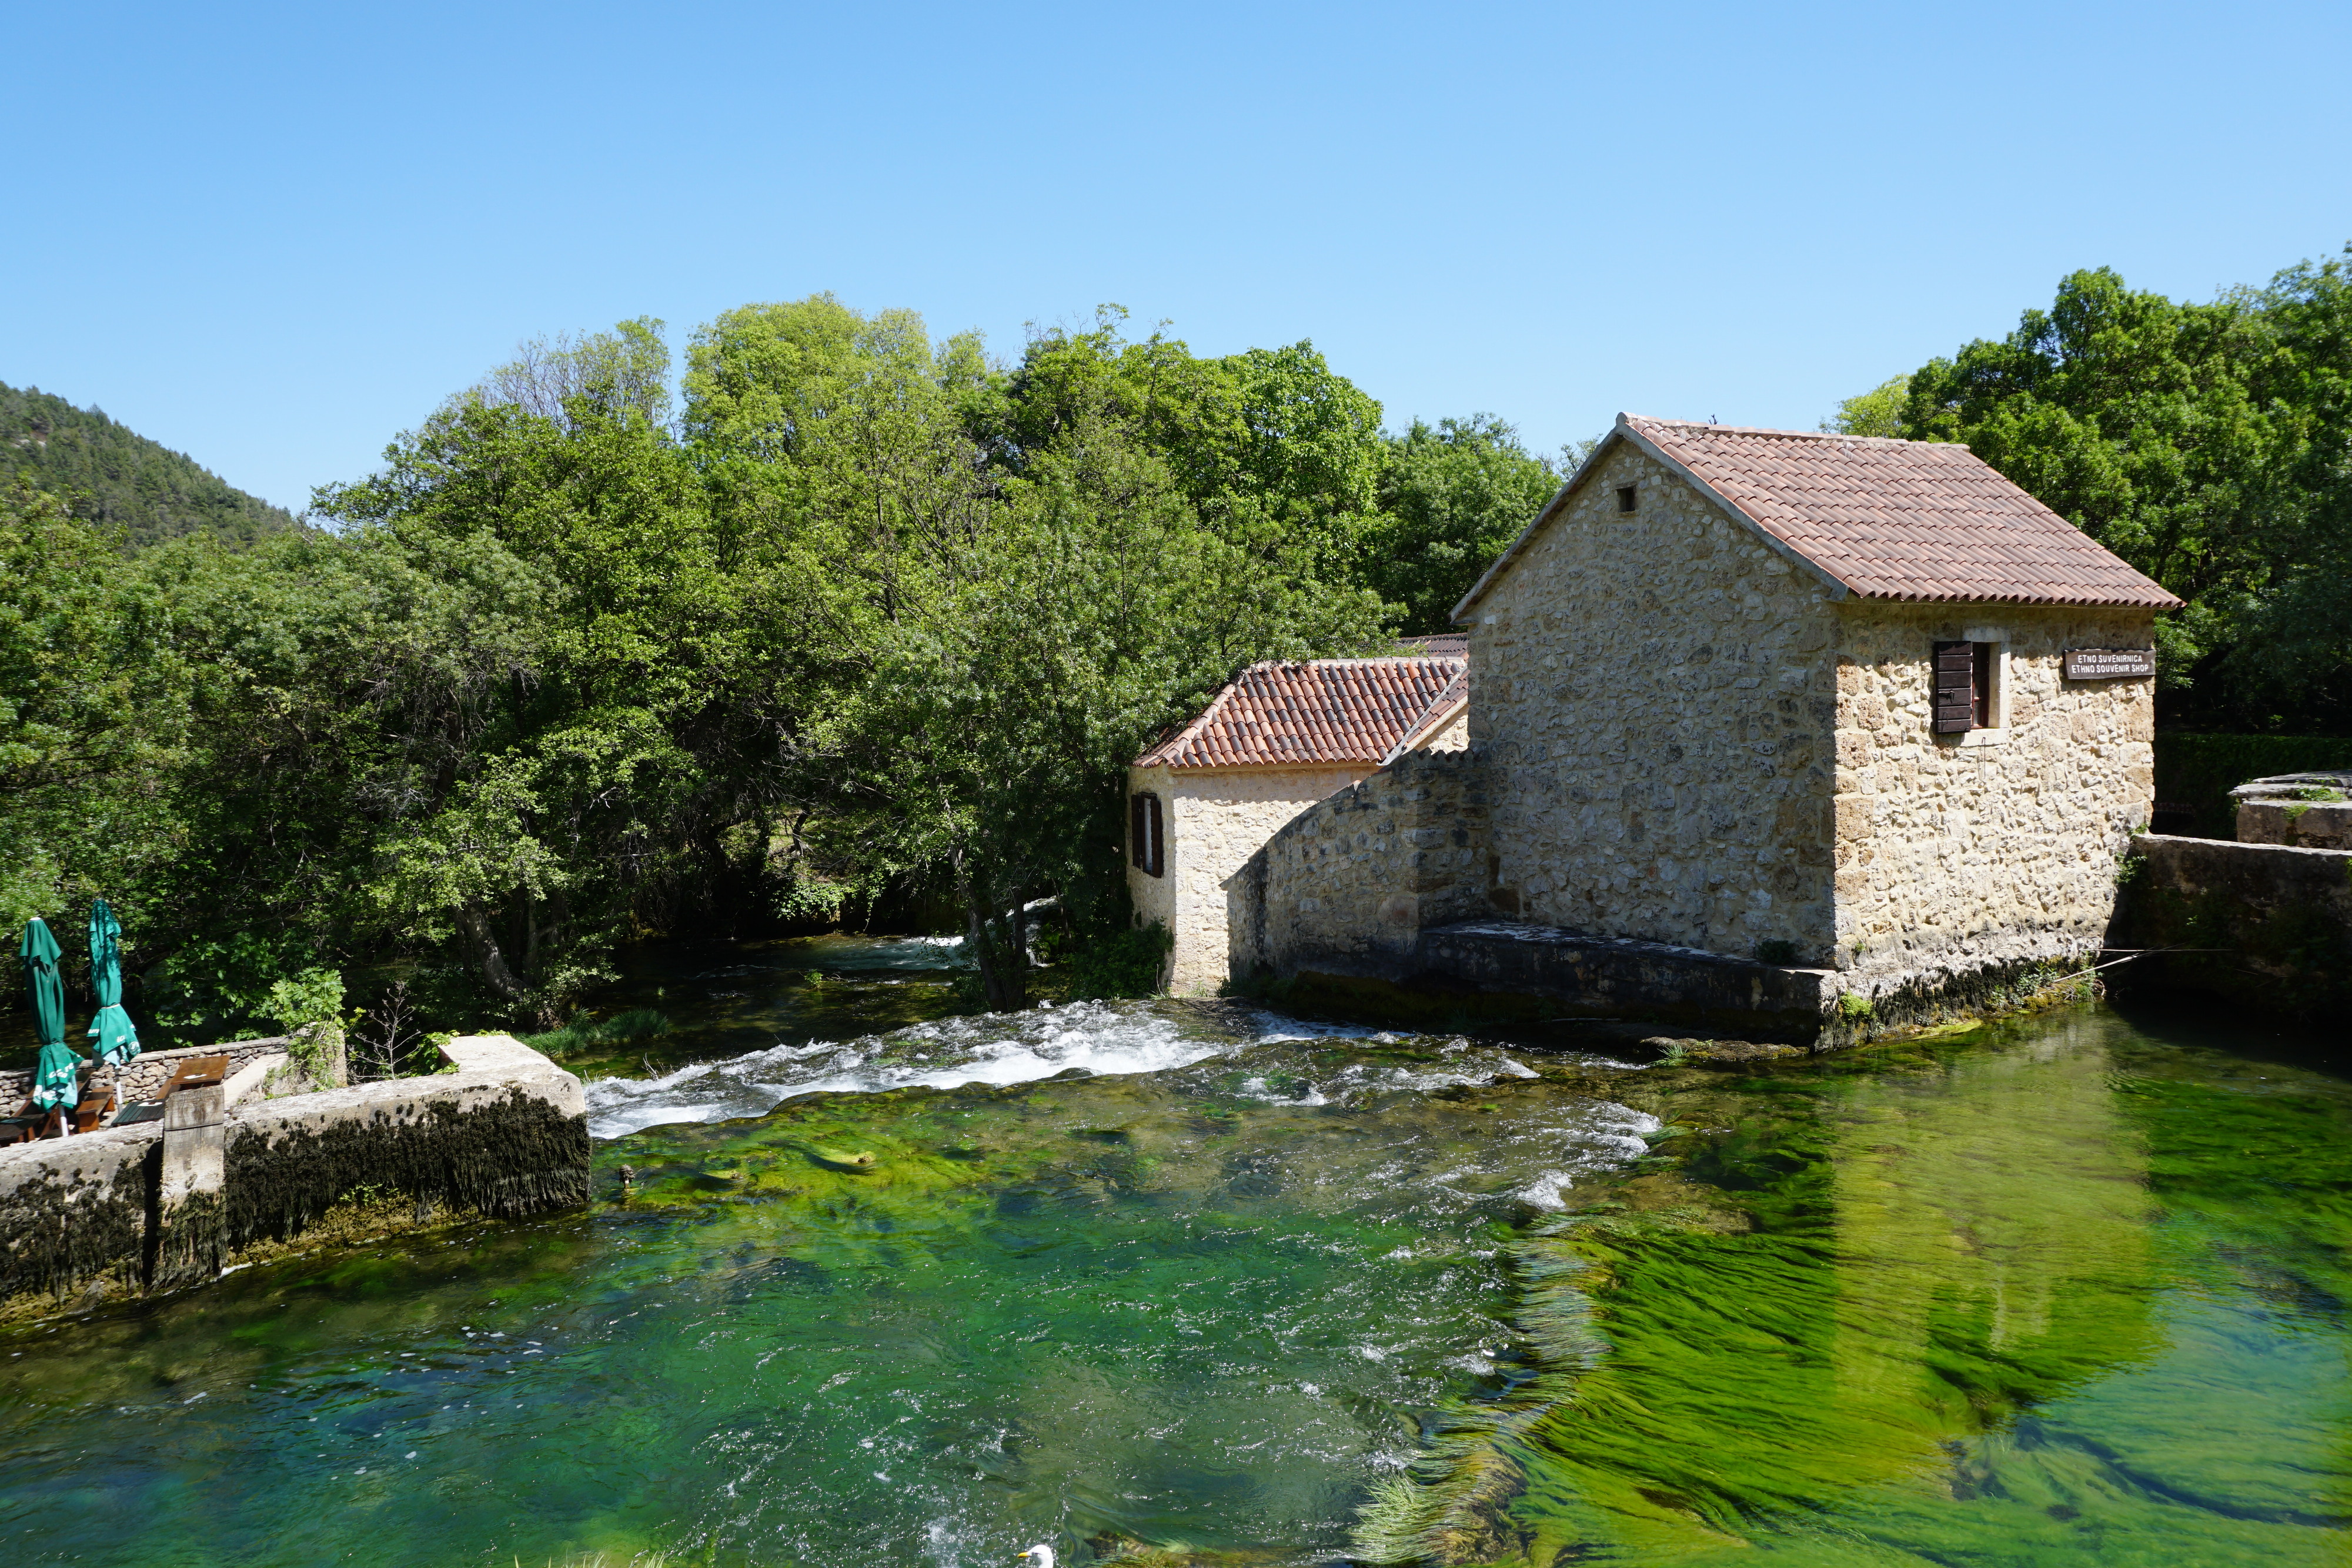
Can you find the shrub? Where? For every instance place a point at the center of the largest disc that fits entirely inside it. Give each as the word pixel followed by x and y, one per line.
pixel 1116 963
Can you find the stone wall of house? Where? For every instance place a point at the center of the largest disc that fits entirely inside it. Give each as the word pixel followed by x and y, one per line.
pixel 1959 852
pixel 1656 696
pixel 1454 737
pixel 1215 819
pixel 1347 886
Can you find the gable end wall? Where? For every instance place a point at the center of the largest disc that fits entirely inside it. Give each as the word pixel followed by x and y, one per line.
pixel 1657 693
pixel 1215 819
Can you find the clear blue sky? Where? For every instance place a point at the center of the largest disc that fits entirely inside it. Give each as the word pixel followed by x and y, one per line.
pixel 275 237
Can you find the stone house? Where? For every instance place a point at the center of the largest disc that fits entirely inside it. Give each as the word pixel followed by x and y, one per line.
pixel 1277 739
pixel 1854 709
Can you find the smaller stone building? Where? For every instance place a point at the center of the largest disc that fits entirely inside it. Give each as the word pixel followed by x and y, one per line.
pixel 1278 738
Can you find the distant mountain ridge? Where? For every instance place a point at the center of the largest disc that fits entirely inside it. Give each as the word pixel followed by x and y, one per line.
pixel 114 475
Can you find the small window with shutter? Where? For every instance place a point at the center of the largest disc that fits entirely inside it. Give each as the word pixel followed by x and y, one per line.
pixel 1966 679
pixel 1146 834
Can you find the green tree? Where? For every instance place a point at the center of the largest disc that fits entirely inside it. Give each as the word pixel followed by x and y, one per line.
pixel 517 710
pixel 1878 411
pixel 93 691
pixel 2201 442
pixel 1450 497
pixel 1278 454
pixel 1014 589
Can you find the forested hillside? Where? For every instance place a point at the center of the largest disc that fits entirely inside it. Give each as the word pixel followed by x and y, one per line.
pixel 117 477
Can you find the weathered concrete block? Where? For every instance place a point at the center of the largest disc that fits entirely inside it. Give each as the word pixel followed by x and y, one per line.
pixel 2269 925
pixel 2306 810
pixel 160 1204
pixel 191 1171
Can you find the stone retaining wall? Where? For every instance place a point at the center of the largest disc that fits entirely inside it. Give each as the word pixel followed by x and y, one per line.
pixel 1347 886
pixel 160 1204
pixel 2266 925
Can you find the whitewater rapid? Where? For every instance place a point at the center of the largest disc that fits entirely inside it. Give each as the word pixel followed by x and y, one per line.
pixel 997 1048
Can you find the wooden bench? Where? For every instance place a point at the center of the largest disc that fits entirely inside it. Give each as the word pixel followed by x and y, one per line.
pixel 98 1103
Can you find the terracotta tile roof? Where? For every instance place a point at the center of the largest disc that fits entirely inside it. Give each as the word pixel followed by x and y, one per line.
pixel 1326 710
pixel 1887 519
pixel 1440 713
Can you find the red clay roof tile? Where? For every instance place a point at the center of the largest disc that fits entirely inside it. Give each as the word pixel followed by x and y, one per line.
pixel 1901 519
pixel 1322 711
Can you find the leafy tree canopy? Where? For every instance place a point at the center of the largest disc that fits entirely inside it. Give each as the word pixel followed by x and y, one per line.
pixel 867 608
pixel 2206 443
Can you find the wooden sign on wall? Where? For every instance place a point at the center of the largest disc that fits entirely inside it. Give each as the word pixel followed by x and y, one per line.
pixel 2109 663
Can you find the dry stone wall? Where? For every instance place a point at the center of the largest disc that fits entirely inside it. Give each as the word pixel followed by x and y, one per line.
pixel 1347 886
pixel 1959 852
pixel 1656 697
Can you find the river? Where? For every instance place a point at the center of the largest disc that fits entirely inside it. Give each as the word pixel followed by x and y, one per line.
pixel 1175 1283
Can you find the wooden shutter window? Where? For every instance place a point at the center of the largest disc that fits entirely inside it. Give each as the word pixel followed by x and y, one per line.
pixel 1146 834
pixel 1981 708
pixel 1957 704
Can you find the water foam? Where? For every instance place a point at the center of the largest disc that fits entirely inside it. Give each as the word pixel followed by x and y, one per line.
pixel 998 1048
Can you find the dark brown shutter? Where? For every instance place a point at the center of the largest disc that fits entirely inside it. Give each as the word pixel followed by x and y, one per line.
pixel 1955 687
pixel 1135 846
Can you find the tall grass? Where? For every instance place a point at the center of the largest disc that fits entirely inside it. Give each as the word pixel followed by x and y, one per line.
pixel 639 1023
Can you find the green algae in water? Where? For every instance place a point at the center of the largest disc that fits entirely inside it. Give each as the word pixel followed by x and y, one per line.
pixel 2054 1294
pixel 1187 1311
pixel 2058 1292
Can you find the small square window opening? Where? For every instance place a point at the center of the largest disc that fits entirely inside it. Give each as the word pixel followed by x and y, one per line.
pixel 1628 497
pixel 1967 687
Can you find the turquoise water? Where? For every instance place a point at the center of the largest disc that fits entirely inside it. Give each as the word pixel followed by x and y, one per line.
pixel 1232 1287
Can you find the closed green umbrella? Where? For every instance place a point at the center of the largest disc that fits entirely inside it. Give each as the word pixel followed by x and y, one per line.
pixel 56 1077
pixel 118 1042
